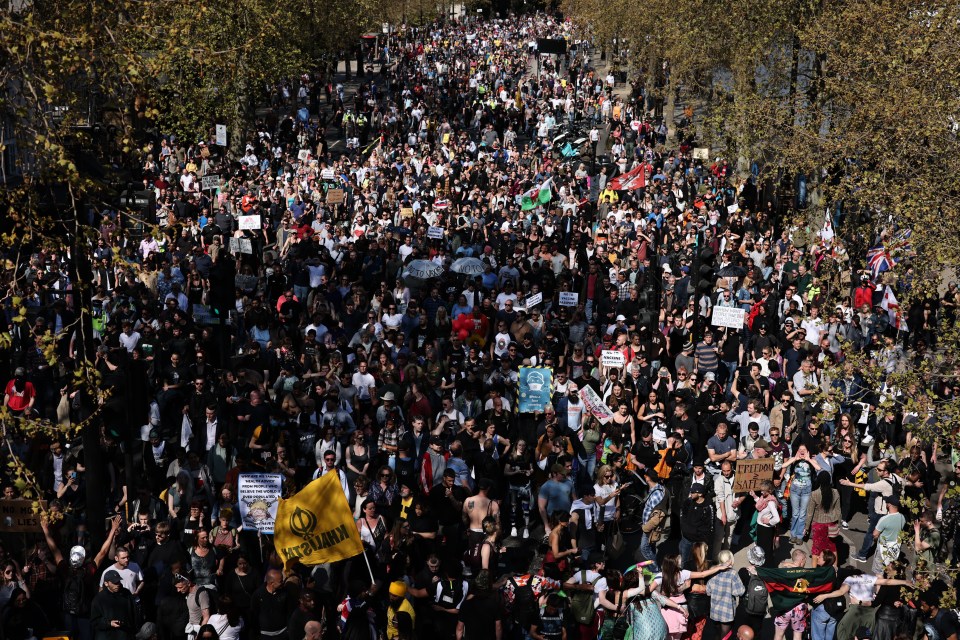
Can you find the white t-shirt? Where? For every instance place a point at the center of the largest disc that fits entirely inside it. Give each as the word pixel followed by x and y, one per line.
pixel 610 508
pixel 599 583
pixel 131 576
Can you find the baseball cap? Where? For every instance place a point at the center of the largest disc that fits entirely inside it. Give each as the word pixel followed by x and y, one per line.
pixel 696 487
pixel 112 576
pixel 621 317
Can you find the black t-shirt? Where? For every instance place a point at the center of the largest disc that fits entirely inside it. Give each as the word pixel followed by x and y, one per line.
pixel 941 626
pixel 479 616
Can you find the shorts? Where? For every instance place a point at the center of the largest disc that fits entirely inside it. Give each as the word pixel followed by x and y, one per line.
pixel 796 618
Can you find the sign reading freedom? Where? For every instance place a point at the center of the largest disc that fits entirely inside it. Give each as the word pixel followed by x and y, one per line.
pixel 750 473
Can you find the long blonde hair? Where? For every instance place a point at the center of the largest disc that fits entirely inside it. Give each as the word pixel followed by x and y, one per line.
pixel 602 470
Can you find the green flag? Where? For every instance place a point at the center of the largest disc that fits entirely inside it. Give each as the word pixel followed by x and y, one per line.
pixel 789 587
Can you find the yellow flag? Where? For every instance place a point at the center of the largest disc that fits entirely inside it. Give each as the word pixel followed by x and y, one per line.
pixel 316 525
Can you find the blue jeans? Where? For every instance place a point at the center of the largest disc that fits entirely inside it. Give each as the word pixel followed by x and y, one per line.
pixel 649 552
pixel 685 549
pixel 799 497
pixel 868 536
pixel 822 624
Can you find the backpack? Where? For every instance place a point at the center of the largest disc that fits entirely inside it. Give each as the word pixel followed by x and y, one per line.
pixel 581 602
pixel 74 598
pixel 211 597
pixel 473 557
pixel 755 599
pixel 524 606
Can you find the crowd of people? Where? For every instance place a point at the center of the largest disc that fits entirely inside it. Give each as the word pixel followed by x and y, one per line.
pixel 274 324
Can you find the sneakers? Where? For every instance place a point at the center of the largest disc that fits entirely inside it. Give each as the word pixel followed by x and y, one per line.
pixel 526 534
pixel 858 557
pixel 513 532
pixel 844 524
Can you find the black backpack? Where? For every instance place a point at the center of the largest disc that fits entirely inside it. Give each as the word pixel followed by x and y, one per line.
pixel 75 601
pixel 755 599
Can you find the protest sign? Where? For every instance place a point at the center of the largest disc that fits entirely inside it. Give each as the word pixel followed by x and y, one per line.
pixel 595 405
pixel 569 299
pixel 17 516
pixel 535 388
pixel 259 494
pixel 612 358
pixel 728 317
pixel 209 182
pixel 248 222
pixel 750 473
pixel 534 300
pixel 701 153
pixel 336 196
pixel 221 135
pixel 435 233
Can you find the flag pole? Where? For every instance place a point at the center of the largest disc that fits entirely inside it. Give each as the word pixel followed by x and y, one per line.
pixel 369 568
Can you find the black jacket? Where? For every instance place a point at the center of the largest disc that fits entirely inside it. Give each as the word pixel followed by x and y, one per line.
pixel 696 521
pixel 108 606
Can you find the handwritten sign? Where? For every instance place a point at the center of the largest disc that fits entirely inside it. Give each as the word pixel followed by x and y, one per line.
pixel 17 516
pixel 701 153
pixel 406 212
pixel 534 300
pixel 728 317
pixel 249 222
pixel 569 299
pixel 750 473
pixel 259 495
pixel 328 175
pixel 221 135
pixel 209 182
pixel 435 233
pixel 246 246
pixel 612 358
pixel 595 404
pixel 336 196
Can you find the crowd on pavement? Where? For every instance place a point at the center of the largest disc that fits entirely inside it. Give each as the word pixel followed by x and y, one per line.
pixel 279 324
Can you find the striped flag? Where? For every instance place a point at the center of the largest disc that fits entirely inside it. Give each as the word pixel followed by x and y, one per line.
pixel 791 586
pixel 537 195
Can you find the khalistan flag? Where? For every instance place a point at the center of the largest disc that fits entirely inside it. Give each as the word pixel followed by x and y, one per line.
pixel 540 194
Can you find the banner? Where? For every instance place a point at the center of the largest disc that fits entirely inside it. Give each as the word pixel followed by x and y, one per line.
pixel 750 473
pixel 595 404
pixel 536 384
pixel 17 516
pixel 258 495
pixel 612 358
pixel 569 299
pixel 316 525
pixel 728 317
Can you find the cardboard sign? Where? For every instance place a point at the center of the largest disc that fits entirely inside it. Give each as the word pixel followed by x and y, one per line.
pixel 259 496
pixel 435 233
pixel 728 317
pixel 612 358
pixel 534 300
pixel 406 212
pixel 750 473
pixel 249 222
pixel 17 516
pixel 209 182
pixel 222 135
pixel 701 153
pixel 569 299
pixel 336 196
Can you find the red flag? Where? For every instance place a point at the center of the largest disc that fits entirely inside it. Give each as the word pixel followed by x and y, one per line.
pixel 632 180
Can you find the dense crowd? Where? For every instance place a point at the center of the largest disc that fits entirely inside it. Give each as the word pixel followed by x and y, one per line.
pixel 305 317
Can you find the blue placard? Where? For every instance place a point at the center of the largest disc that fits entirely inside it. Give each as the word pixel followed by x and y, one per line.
pixel 536 388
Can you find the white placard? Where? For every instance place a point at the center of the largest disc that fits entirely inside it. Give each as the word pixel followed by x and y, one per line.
pixel 701 153
pixel 259 495
pixel 249 222
pixel 569 299
pixel 435 233
pixel 234 245
pixel 328 175
pixel 728 317
pixel 303 155
pixel 221 135
pixel 209 182
pixel 246 246
pixel 733 208
pixel 612 358
pixel 534 300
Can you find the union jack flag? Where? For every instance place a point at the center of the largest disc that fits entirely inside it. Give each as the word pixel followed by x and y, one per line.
pixel 885 257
